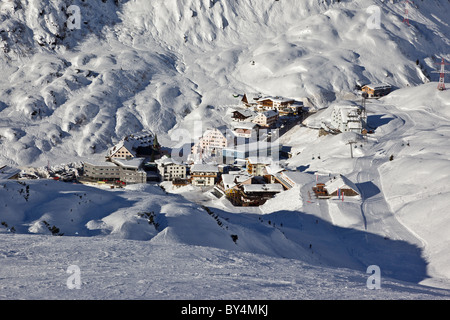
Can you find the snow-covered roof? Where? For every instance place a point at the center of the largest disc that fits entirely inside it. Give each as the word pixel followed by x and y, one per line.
pixel 297 104
pixel 244 125
pixel 100 163
pixel 273 187
pixel 234 178
pixel 259 160
pixel 132 142
pixel 126 143
pixel 165 161
pixel 145 136
pixel 204 168
pixel 245 112
pixel 295 177
pixel 252 97
pixel 378 86
pixel 134 163
pixel 276 99
pixel 212 130
pixel 340 182
pixel 269 113
pixel 274 168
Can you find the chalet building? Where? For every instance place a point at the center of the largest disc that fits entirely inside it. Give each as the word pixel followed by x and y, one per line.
pixel 244 100
pixel 347 118
pixel 271 171
pixel 134 145
pixel 294 109
pixel 283 106
pixel 273 103
pixel 258 194
pixel 266 119
pixel 246 130
pixel 242 115
pixel 341 185
pixel 320 191
pixel 230 182
pixel 256 165
pixel 203 175
pixel 336 187
pixel 376 90
pixel 253 194
pixel 170 169
pixel 248 102
pixel 122 150
pixel 290 179
pixel 211 143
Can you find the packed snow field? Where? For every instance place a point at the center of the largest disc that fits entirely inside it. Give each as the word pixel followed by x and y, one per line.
pixel 67 95
pixel 35 267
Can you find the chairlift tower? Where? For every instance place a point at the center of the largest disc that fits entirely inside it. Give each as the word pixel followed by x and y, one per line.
pixel 442 72
pixel 351 147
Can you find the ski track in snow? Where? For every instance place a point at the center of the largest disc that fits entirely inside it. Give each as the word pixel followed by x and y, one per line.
pixel 70 95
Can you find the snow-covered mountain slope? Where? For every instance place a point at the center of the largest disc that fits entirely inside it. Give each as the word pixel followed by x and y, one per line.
pixel 186 252
pixel 161 65
pixel 403 198
pixel 399 222
pixel 69 92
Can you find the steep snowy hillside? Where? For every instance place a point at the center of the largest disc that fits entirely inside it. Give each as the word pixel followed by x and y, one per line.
pixel 70 92
pixel 398 222
pixel 141 243
pixel 401 169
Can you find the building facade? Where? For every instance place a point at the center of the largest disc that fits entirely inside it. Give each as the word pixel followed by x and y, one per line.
pixel 170 170
pixel 274 103
pixel 119 170
pixel 376 90
pixel 256 165
pixel 266 119
pixel 203 175
pixel 131 170
pixel 101 171
pixel 246 130
pixel 212 142
pixel 347 118
pixel 123 150
pixel 128 147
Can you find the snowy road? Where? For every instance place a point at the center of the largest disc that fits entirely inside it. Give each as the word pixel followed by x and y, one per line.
pixel 376 212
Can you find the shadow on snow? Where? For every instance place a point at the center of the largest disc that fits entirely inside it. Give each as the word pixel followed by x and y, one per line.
pixel 336 246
